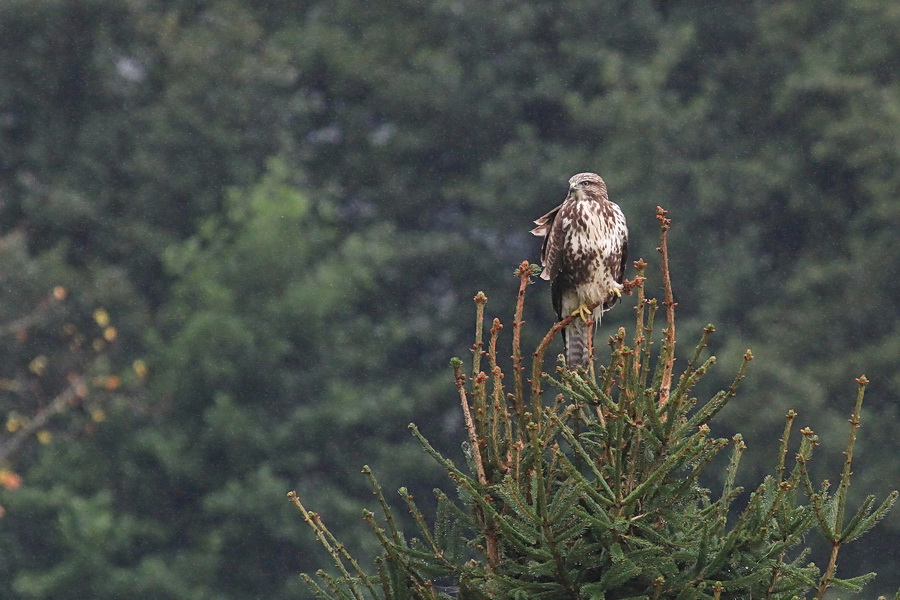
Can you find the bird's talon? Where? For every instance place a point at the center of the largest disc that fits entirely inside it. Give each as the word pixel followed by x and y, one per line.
pixel 583 312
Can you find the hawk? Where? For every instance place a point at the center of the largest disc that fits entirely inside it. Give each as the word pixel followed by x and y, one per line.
pixel 584 252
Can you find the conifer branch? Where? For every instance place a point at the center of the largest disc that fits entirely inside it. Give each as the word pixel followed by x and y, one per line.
pixel 668 351
pixel 385 509
pixel 486 514
pixel 647 337
pixel 844 487
pixel 524 274
pixel 728 494
pixel 474 442
pixel 783 448
pixel 317 590
pixel 384 576
pixel 829 571
pixel 718 401
pixel 640 340
pixel 867 522
pixel 850 529
pixel 688 452
pixel 334 548
pixel 704 339
pixel 614 370
pixel 334 585
pixel 538 359
pixel 480 416
pixel 836 527
pixel 477 351
pixel 418 518
pixel 395 558
pixel 475 448
pixel 690 378
pixel 500 441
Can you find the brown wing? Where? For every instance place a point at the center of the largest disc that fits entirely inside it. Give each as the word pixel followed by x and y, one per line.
pixel 618 260
pixel 622 230
pixel 544 223
pixel 551 254
pixel 623 260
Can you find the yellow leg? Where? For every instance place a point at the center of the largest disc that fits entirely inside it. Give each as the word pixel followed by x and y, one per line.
pixel 583 312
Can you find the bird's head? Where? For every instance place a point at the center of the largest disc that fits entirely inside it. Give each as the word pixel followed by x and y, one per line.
pixel 587 185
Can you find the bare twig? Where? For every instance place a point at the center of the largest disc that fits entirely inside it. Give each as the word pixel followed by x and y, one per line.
pixel 480 300
pixel 500 413
pixel 40 314
pixel 524 273
pixel 490 532
pixel 470 423
pixel 669 303
pixel 77 390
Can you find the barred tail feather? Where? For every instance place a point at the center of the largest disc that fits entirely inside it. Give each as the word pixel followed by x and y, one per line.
pixel 578 342
pixel 577 354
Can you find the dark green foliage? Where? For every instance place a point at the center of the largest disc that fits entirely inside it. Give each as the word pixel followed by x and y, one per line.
pixel 408 144
pixel 599 495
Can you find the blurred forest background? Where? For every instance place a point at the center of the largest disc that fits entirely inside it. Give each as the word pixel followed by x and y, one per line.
pixel 239 242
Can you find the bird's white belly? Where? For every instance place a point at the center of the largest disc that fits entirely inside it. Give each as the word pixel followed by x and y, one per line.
pixel 600 283
pixel 597 289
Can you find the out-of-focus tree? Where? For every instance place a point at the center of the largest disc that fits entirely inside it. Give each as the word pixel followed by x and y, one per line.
pixel 429 135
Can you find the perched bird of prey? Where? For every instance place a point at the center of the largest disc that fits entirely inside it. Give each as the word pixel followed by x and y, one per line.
pixel 583 255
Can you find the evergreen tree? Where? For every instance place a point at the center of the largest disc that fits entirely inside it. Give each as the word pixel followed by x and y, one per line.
pixel 599 494
pixel 438 130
